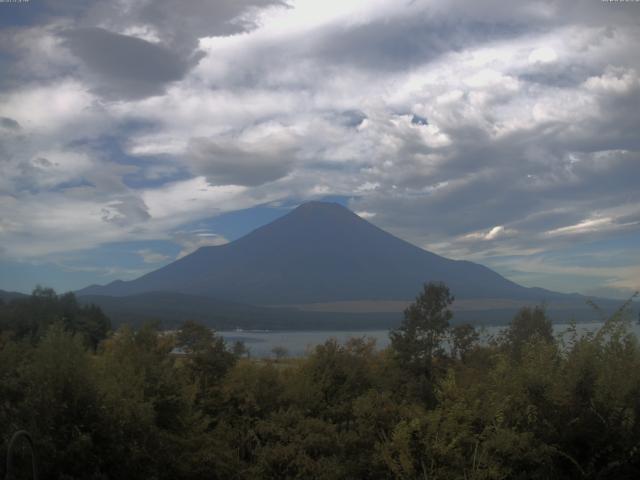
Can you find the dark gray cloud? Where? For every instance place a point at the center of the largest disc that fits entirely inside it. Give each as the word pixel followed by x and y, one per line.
pixel 177 24
pixel 198 18
pixel 125 66
pixel 173 25
pixel 9 124
pixel 181 22
pixel 230 163
pixel 380 46
pixel 409 41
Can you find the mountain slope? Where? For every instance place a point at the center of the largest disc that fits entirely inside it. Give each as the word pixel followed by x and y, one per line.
pixel 319 252
pixel 171 309
pixel 8 296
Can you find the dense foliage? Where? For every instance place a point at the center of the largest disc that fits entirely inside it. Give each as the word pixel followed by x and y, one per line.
pixel 437 404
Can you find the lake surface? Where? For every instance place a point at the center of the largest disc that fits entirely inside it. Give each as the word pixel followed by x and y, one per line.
pixel 299 343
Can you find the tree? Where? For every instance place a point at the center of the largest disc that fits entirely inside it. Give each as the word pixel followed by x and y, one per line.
pixel 240 350
pixel 425 325
pixel 208 357
pixel 194 337
pixel 279 352
pixel 529 324
pixel 30 317
pixel 463 339
pixel 60 407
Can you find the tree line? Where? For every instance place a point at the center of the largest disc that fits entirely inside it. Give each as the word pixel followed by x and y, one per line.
pixel 436 404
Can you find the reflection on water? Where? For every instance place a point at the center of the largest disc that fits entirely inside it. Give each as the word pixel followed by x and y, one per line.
pixel 298 343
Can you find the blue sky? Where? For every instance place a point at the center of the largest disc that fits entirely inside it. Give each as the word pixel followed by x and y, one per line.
pixel 134 132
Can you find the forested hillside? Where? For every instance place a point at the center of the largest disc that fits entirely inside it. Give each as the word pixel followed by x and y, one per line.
pixel 436 404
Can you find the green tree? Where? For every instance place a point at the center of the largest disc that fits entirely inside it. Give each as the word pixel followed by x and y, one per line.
pixel 426 323
pixel 463 338
pixel 30 317
pixel 208 358
pixel 529 324
pixel 334 375
pixel 151 425
pixel 61 405
pixel 279 352
pixel 194 337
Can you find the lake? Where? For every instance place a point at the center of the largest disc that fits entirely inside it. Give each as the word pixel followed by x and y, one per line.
pixel 299 343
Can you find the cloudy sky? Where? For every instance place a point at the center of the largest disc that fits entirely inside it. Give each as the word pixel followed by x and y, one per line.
pixel 134 131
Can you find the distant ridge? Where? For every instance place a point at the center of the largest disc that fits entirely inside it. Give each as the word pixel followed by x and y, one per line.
pixel 171 309
pixel 8 296
pixel 320 252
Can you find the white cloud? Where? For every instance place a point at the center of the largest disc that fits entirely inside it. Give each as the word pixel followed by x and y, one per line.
pixel 586 226
pixel 366 215
pixel 192 241
pixel 499 231
pixel 64 108
pixel 543 55
pixel 151 257
pixel 184 201
pixel 614 81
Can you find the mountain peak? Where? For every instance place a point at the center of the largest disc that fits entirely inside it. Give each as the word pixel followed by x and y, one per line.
pixel 321 207
pixel 318 252
pixel 319 204
pixel 327 214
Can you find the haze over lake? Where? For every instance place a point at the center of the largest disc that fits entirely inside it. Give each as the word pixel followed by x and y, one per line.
pixel 300 343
